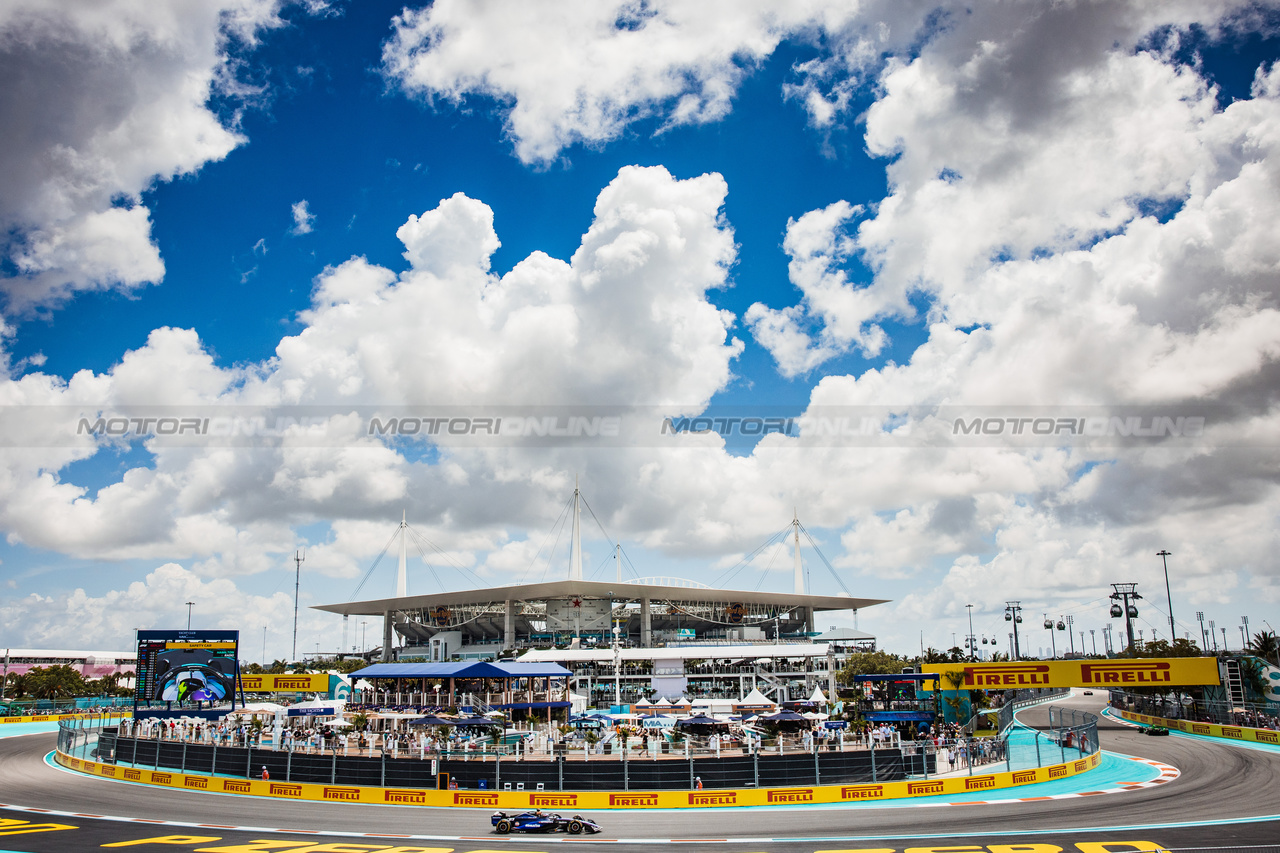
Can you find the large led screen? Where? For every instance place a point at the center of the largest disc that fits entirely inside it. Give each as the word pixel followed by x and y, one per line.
pixel 187 667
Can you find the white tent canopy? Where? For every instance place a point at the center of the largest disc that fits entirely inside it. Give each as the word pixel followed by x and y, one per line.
pixel 818 696
pixel 756 698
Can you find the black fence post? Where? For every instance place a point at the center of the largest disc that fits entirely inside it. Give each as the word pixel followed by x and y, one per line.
pixel 184 757
pixel 817 775
pixel 560 772
pixel 333 769
pixel 383 782
pixel 755 767
pixel 288 766
pixel 873 761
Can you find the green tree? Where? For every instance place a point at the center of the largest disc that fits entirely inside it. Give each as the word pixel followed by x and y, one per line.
pixel 56 682
pixel 1251 675
pixel 1266 646
pixel 871 663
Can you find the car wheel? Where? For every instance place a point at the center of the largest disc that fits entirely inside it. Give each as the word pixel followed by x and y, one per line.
pixel 575 827
pixel 504 826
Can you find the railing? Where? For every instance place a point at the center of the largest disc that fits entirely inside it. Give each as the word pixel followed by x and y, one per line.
pixel 691 763
pixel 1253 715
pixel 1024 698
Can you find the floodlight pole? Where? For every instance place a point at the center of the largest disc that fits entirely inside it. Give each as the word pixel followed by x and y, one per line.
pixel 189 604
pixel 297 581
pixel 1164 558
pixel 970 640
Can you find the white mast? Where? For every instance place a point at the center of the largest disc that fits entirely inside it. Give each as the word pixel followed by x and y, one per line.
pixel 795 523
pixel 402 575
pixel 575 557
pixel 617 560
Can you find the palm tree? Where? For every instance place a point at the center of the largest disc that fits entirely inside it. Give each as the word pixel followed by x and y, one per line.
pixel 1266 646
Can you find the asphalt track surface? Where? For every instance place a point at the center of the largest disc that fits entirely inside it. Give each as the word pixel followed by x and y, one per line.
pixel 1225 797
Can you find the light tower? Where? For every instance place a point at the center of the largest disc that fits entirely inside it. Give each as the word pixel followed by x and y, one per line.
pixel 1013 613
pixel 1124 594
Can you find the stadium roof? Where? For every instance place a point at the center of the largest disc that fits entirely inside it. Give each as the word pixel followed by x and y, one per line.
pixel 620 592
pixel 690 652
pixel 479 669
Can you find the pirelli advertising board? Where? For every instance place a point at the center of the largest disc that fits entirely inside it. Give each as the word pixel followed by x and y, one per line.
pixel 593 800
pixel 1104 673
pixel 285 683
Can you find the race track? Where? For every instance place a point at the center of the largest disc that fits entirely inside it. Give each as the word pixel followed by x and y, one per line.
pixel 1218 784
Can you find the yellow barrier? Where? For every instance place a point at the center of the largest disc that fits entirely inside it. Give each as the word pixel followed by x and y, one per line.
pixel 592 800
pixel 1206 729
pixel 49 718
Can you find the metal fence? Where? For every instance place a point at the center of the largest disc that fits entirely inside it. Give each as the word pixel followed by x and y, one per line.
pixel 1252 714
pixel 1020 749
pixel 490 771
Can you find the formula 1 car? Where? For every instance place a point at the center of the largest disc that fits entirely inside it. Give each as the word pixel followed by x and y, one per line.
pixel 1157 731
pixel 538 821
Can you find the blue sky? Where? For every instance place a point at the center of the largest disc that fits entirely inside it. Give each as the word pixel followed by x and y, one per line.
pixel 783 209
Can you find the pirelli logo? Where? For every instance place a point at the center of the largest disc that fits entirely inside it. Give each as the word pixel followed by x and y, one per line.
pixel 233 786
pixel 133 775
pixel 1232 731
pixel 1057 771
pixel 293 684
pixel 553 800
pixel 1126 672
pixel 916 789
pixel 461 799
pixel 1080 766
pixel 1198 729
pixel 107 770
pixel 1266 737
pixel 351 795
pixel 73 763
pixel 1007 676
pixel 278 790
pixel 722 798
pixel 633 800
pixel 791 795
pixel 862 792
pixel 198 782
pixel 409 798
pixel 979 783
pixel 1024 777
pixel 162 778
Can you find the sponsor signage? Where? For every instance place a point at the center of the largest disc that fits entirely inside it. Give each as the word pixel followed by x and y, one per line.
pixel 862 792
pixel 287 683
pixel 462 799
pixel 553 800
pixel 410 798
pixel 633 800
pixel 718 798
pixel 278 790
pixel 1115 672
pixel 234 786
pixel 348 794
pixel 1057 771
pixel 981 783
pixel 1024 777
pixel 792 795
pixel 199 782
pixel 920 789
pixel 133 775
